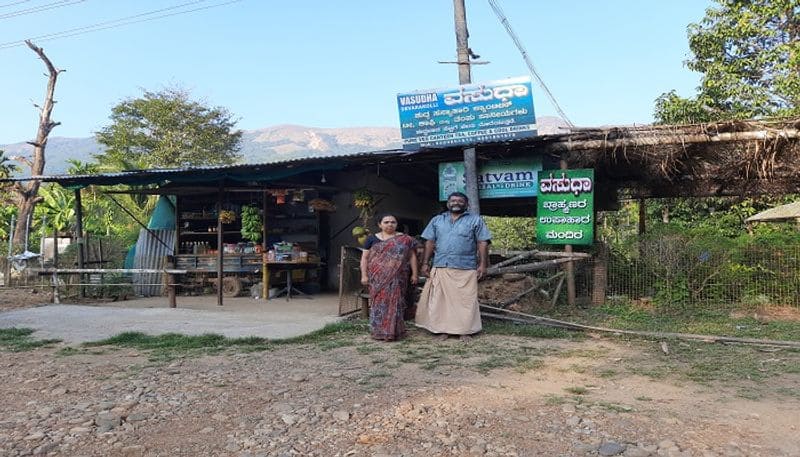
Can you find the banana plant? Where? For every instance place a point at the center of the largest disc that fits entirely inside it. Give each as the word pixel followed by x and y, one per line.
pixel 59 206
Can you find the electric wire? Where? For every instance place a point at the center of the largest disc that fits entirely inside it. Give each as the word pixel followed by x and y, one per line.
pixel 6 5
pixel 98 24
pixel 37 9
pixel 115 23
pixel 504 20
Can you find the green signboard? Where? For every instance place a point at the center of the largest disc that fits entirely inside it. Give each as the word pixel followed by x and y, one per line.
pixel 496 178
pixel 565 208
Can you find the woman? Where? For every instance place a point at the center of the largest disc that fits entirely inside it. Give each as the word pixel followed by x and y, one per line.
pixel 385 266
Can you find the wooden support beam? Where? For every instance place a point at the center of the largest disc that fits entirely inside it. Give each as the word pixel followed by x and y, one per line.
pixel 176 244
pixel 569 268
pixel 169 264
pixel 80 240
pixel 265 250
pixel 170 271
pixel 56 298
pixel 642 216
pixel 528 267
pixel 220 240
pixel 669 139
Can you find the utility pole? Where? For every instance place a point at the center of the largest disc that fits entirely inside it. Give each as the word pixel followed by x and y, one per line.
pixel 465 77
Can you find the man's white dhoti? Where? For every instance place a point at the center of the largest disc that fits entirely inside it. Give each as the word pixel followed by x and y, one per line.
pixel 449 302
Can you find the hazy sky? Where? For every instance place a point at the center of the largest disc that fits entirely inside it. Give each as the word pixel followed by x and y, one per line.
pixel 337 63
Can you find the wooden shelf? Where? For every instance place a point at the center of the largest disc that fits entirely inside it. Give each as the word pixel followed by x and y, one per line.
pixel 291 218
pixel 195 217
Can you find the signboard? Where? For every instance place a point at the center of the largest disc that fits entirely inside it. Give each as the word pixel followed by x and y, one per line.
pixel 496 178
pixel 565 208
pixel 492 111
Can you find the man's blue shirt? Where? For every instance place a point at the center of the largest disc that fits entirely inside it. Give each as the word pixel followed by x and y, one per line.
pixel 456 241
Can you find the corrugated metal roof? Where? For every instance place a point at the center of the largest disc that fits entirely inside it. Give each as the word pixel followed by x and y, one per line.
pixel 238 172
pixel 785 212
pixel 175 174
pixel 267 171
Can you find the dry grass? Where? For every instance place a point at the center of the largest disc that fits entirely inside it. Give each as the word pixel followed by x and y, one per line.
pixel 769 313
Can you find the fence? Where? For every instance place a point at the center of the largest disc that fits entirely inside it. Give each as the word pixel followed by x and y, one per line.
pixel 678 273
pixel 99 254
pixel 350 287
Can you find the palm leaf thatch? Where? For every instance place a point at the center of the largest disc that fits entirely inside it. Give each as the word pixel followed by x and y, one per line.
pixel 725 158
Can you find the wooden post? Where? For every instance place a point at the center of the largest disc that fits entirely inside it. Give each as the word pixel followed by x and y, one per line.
pixel 80 240
pixel 364 305
pixel 600 276
pixel 56 298
pixel 465 77
pixel 264 250
pixel 220 247
pixel 569 268
pixel 89 258
pixel 7 268
pixel 169 264
pixel 100 259
pixel 642 216
pixel 176 244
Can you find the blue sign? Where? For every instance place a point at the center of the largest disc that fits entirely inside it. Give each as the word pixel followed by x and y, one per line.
pixel 493 111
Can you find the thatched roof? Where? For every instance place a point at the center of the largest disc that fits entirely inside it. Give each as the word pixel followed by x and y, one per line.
pixel 785 212
pixel 726 158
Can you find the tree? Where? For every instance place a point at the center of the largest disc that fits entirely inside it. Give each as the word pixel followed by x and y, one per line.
pixel 28 193
pixel 102 214
pixel 167 129
pixel 748 52
pixel 512 232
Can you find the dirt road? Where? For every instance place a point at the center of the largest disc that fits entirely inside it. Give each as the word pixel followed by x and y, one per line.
pixel 349 396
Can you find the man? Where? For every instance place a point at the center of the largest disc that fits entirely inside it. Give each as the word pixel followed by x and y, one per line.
pixel 449 301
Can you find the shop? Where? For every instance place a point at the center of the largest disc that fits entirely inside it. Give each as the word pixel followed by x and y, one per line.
pixel 267 230
pixel 286 228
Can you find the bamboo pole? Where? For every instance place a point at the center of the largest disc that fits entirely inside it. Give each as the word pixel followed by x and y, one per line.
pixel 536 266
pixel 528 254
pixel 500 313
pixel 171 271
pixel 536 286
pixel 568 146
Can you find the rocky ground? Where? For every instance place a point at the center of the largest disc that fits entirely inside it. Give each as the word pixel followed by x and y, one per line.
pixel 346 395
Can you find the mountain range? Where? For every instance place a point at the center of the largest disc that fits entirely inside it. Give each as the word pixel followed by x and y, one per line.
pixel 269 144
